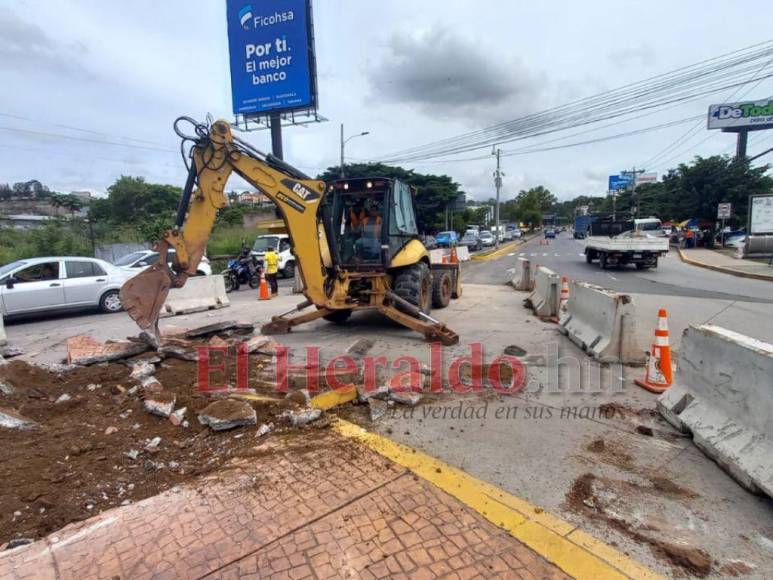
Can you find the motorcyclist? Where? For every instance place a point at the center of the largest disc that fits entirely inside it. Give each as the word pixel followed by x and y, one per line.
pixel 245 258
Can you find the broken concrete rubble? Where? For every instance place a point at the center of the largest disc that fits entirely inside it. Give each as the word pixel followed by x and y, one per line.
pixel 261 345
pixel 405 398
pixel 6 389
pixel 364 395
pixel 178 351
pixel 220 327
pixel 178 417
pixel 228 414
pixel 141 370
pixel 9 351
pixel 11 419
pixel 378 409
pixel 360 347
pixel 159 402
pixel 264 429
pixel 84 350
pixel 303 417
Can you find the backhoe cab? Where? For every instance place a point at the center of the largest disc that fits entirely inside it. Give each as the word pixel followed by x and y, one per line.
pixel 355 241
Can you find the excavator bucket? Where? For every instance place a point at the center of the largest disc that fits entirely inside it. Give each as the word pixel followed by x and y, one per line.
pixel 144 295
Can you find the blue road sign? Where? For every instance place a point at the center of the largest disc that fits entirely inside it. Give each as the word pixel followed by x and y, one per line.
pixel 619 182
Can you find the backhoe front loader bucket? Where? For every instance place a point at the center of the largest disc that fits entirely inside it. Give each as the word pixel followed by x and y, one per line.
pixel 144 295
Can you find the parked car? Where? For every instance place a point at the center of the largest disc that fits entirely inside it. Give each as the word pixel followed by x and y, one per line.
pixel 60 283
pixel 517 233
pixel 429 242
pixel 281 245
pixel 550 233
pixel 136 262
pixel 487 239
pixel 447 239
pixel 471 239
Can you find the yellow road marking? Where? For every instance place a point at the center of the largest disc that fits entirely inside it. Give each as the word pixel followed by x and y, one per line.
pixel 576 552
pixel 330 399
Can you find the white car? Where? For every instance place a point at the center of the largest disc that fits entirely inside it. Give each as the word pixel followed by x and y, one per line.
pixel 487 239
pixel 59 283
pixel 136 262
pixel 281 245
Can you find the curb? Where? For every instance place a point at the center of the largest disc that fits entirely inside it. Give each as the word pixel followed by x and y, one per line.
pixel 722 269
pixel 502 250
pixel 559 542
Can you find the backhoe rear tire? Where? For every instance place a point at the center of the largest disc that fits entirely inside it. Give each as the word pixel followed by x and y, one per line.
pixel 442 287
pixel 338 316
pixel 414 284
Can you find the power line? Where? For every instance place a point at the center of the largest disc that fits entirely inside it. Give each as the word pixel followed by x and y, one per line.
pixel 86 140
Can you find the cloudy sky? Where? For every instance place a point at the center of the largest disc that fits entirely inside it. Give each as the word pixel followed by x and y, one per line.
pixel 90 88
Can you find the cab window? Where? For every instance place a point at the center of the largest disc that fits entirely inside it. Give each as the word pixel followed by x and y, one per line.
pixel 83 269
pixel 38 273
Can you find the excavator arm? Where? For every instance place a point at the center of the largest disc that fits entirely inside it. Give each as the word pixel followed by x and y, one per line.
pixel 215 155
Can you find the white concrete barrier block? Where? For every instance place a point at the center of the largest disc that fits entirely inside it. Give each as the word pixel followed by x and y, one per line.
pixel 546 297
pixel 463 254
pixel 602 323
pixel 522 275
pixel 723 395
pixel 199 293
pixel 3 336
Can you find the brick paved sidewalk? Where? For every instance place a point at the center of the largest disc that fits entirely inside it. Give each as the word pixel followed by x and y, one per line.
pixel 321 507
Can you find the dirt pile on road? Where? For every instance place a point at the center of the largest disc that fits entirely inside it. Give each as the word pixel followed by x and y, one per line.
pixel 94 445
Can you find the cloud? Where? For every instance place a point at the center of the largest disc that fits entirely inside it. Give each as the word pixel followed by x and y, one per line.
pixel 449 76
pixel 25 47
pixel 642 55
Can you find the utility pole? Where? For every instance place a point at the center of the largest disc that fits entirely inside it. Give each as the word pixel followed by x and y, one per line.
pixel 343 144
pixel 498 184
pixel 614 204
pixel 635 201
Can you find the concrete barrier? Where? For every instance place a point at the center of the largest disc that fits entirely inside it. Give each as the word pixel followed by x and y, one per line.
pixel 3 336
pixel 463 253
pixel 522 275
pixel 199 293
pixel 602 323
pixel 436 255
pixel 546 296
pixel 723 395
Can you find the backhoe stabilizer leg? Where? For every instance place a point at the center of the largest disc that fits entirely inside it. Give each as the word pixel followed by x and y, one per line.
pixel 282 324
pixel 432 331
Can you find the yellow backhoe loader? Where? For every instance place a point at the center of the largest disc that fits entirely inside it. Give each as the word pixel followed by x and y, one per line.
pixel 355 241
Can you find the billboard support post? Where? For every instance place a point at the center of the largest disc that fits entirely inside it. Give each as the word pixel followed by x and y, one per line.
pixel 276 135
pixel 740 145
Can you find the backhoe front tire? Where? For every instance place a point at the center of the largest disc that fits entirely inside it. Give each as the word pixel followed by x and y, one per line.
pixel 414 284
pixel 442 287
pixel 338 316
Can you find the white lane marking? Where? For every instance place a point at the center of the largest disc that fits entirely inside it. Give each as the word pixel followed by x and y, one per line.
pixel 511 254
pixel 611 276
pixel 521 253
pixel 544 254
pixel 556 255
pixel 532 254
pixel 581 254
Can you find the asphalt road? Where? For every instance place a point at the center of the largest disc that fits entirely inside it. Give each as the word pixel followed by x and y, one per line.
pixel 692 295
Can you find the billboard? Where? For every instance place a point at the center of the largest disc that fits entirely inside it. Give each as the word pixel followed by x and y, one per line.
pixel 272 55
pixel 746 115
pixel 761 214
pixel 643 178
pixel 620 182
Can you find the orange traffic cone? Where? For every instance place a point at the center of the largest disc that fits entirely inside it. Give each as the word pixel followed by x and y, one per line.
pixel 454 259
pixel 444 259
pixel 562 305
pixel 264 294
pixel 659 372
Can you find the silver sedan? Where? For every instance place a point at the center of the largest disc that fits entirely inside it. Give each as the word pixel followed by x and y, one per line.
pixel 59 283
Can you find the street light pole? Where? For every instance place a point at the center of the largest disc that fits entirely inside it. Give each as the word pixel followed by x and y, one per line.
pixel 343 143
pixel 498 184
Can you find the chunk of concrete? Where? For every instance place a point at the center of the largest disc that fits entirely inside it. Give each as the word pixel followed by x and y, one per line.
pixel 261 345
pixel 228 414
pixel 364 395
pixel 378 409
pixel 84 350
pixel 142 369
pixel 159 402
pixel 303 417
pixel 10 419
pixel 360 347
pixel 405 398
pixel 6 389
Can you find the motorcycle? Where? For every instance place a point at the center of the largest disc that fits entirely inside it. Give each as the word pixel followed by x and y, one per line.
pixel 239 272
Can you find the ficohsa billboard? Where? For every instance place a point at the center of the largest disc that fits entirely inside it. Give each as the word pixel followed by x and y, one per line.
pixel 746 114
pixel 271 55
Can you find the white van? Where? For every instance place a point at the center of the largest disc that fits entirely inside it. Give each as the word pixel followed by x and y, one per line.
pixel 651 226
pixel 281 245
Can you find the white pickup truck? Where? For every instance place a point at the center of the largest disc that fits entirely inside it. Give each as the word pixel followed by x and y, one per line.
pixel 626 248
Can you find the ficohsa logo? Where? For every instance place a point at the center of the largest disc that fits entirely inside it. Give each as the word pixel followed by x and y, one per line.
pixel 245 16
